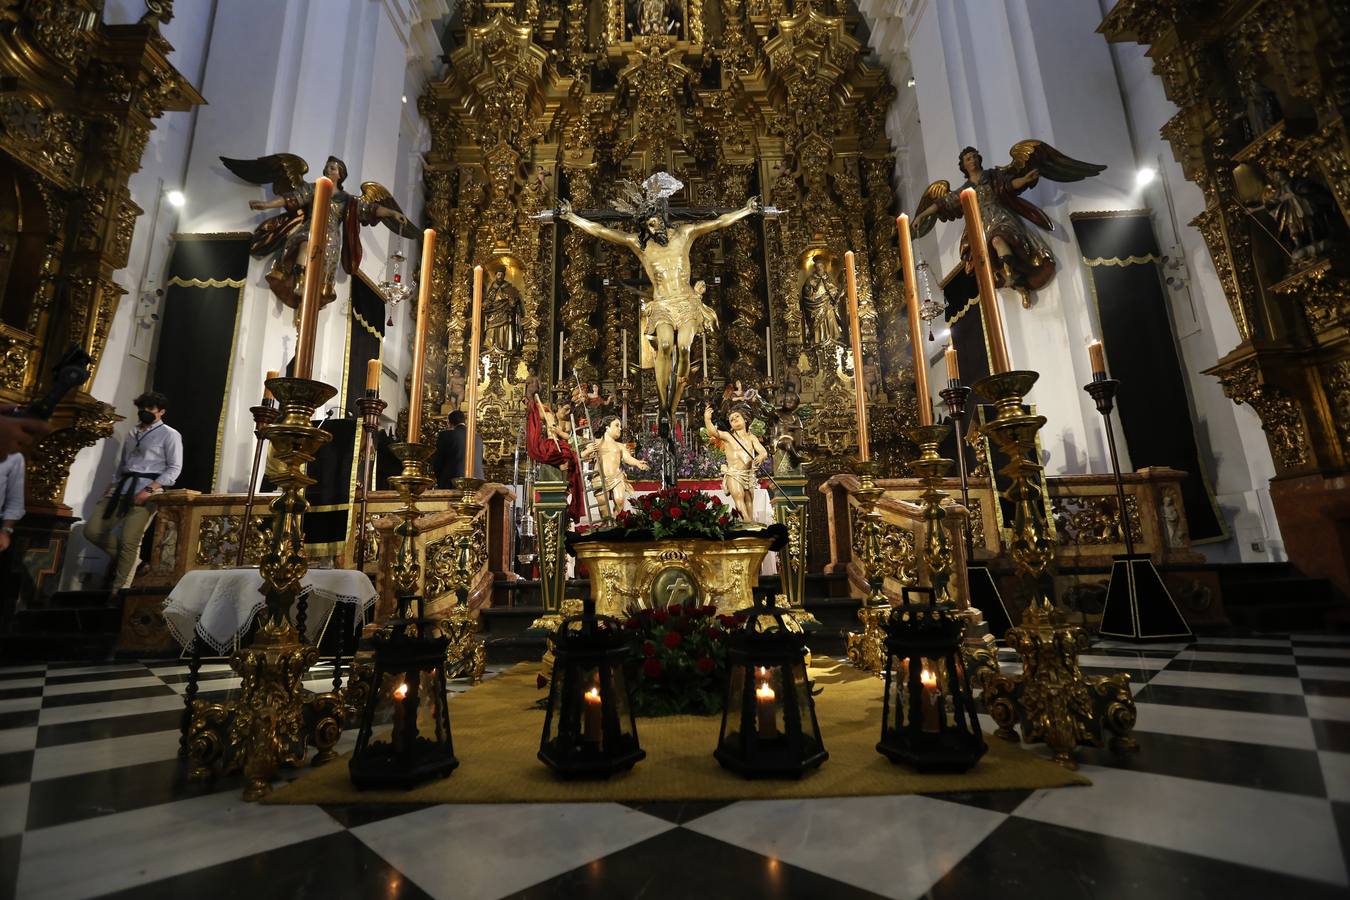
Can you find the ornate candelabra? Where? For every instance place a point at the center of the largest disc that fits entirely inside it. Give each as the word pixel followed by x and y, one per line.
pixel 984 594
pixel 467 655
pixel 1052 700
pixel 1138 604
pixel 931 468
pixel 275 718
pixel 263 416
pixel 1013 431
pixel 411 484
pixel 866 649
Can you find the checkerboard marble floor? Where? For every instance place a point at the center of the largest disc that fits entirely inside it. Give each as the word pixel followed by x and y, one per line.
pixel 1241 789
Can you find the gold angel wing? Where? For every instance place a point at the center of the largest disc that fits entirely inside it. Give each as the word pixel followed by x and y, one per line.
pixel 1038 155
pixel 283 171
pixel 378 194
pixel 931 197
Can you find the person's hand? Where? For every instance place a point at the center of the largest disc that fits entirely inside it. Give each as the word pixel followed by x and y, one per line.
pixel 20 435
pixel 141 496
pixel 643 465
pixel 754 204
pixel 564 208
pixel 256 204
pixel 4 541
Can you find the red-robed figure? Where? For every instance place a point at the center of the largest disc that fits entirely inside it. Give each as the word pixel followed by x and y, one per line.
pixel 547 442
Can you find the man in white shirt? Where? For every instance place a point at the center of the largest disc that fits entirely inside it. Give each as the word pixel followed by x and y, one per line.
pixel 11 497
pixel 151 460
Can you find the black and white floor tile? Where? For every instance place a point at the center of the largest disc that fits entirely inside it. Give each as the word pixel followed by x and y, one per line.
pixel 1241 789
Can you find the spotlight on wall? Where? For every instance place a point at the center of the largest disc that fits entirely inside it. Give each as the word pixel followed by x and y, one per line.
pixel 405 98
pixel 176 198
pixel 1145 176
pixel 910 83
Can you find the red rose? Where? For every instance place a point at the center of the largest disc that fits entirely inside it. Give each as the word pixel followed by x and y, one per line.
pixel 652 668
pixel 656 515
pixel 648 649
pixel 675 609
pixel 676 512
pixel 723 520
pixel 661 616
pixel 705 665
pixel 672 639
pixel 699 505
pixel 712 633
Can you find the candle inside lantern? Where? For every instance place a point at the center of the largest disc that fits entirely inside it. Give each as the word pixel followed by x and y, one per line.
pixel 401 691
pixel 990 310
pixel 420 337
pixel 859 395
pixel 372 377
pixel 1097 354
pixel 268 397
pixel 765 706
pixel 309 301
pixel 475 350
pixel 953 367
pixel 930 701
pixel 915 329
pixel 590 719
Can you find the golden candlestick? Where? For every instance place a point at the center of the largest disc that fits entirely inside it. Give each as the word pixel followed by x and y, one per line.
pixel 411 483
pixel 263 415
pixel 275 718
pixel 931 468
pixel 467 653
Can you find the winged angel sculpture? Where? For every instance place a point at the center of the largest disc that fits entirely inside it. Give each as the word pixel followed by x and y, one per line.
pixel 1021 258
pixel 287 233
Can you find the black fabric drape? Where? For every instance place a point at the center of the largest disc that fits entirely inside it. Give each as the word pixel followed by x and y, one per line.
pixel 962 296
pixel 196 340
pixel 330 495
pixel 1122 256
pixel 367 331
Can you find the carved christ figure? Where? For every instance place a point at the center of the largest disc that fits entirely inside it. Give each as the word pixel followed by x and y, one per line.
pixel 676 313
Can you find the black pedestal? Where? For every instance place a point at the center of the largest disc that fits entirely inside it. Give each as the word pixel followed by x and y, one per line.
pixel 985 597
pixel 1138 606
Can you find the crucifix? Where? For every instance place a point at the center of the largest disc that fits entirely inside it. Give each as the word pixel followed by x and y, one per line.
pixel 663 238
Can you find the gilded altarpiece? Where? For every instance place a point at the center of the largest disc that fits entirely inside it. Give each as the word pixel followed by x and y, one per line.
pixel 78 99
pixel 1263 128
pixel 546 100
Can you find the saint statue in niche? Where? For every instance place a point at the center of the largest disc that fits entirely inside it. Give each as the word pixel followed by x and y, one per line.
pixel 1020 257
pixel 287 233
pixel 502 312
pixel 820 308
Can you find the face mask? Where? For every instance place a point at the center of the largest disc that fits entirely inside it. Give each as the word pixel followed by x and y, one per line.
pixel 146 416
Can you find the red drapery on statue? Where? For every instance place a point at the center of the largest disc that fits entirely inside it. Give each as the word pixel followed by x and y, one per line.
pixel 552 452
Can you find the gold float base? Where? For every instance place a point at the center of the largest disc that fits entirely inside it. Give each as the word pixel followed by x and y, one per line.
pixel 657 573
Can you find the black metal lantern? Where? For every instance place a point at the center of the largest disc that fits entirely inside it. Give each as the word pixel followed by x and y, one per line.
pixel 408 665
pixel 589 727
pixel 769 727
pixel 928 719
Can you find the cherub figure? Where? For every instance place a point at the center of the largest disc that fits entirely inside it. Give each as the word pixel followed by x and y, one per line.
pixel 287 233
pixel 744 453
pixel 611 455
pixel 1019 256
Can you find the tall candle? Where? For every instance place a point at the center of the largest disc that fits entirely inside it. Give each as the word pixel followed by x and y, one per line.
pixel 560 358
pixel 953 368
pixel 309 302
pixel 267 391
pixel 1097 354
pixel 929 702
pixel 591 728
pixel 372 376
pixel 915 328
pixel 420 336
pixel 859 395
pixel 704 335
pixel 768 352
pixel 475 350
pixel 623 339
pixel 990 310
pixel 766 709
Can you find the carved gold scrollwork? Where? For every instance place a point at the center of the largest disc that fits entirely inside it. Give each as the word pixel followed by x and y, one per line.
pixel 1280 416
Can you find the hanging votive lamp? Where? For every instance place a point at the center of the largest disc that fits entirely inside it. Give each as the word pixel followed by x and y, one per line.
pixel 928 720
pixel 410 674
pixel 589 728
pixel 769 727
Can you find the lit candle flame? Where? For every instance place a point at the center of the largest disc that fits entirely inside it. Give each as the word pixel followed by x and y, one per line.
pixel 765 692
pixel 401 691
pixel 593 695
pixel 928 678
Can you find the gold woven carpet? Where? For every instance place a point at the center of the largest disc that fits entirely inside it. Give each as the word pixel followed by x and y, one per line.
pixel 496 731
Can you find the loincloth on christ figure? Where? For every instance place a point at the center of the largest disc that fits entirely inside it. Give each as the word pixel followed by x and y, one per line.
pixel 687 314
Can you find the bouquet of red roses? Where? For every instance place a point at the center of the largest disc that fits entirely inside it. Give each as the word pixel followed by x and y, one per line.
pixel 681 657
pixel 678 512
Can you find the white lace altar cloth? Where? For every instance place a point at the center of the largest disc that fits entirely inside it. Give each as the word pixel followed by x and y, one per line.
pixel 218 605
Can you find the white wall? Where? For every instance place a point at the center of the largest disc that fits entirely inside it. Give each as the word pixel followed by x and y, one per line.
pixel 992 72
pixel 311 77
